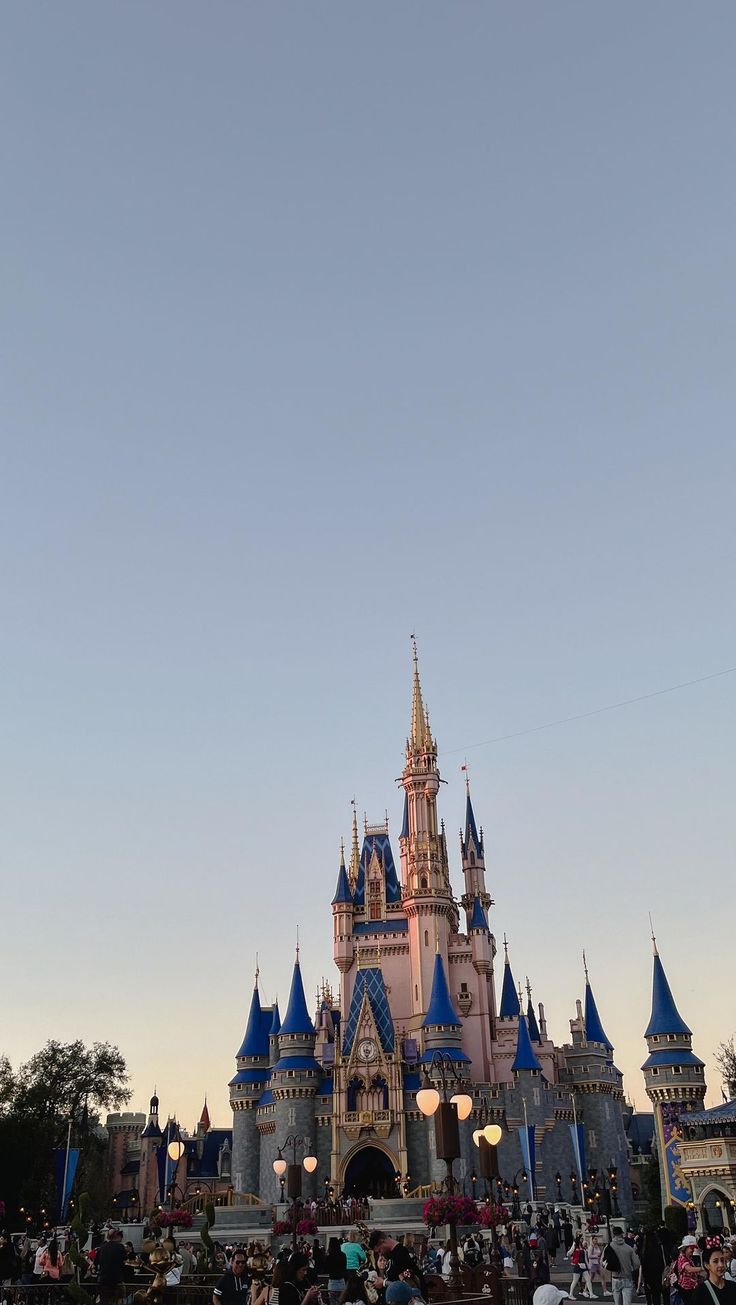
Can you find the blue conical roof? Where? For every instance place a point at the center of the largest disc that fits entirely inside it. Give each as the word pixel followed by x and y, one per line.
pixel 594 1031
pixel 665 1017
pixel 531 1020
pixel 471 831
pixel 275 1028
pixel 297 1018
pixel 509 1008
pixel 342 892
pixel 478 919
pixel 526 1056
pixel 441 1009
pixel 255 1039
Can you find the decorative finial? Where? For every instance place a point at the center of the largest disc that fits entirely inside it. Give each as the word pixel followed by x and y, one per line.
pixel 585 966
pixel 466 768
pixel 354 849
pixel 420 739
pixel 297 944
pixel 654 940
pixel 257 970
pixel 521 999
pixel 528 988
pixel 505 950
pixel 342 853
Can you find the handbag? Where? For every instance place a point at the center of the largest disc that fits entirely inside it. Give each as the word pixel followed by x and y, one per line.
pixel 676 1296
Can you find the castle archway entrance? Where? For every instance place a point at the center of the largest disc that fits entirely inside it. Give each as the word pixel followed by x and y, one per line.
pixel 370 1172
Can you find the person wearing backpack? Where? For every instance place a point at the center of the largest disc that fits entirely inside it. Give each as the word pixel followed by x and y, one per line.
pixel 622 1263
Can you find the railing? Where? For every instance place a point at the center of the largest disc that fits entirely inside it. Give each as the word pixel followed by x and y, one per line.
pixel 423 1191
pixel 479 1288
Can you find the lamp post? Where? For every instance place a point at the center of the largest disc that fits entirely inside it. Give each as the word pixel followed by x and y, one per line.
pixel 174 1150
pixel 487 1139
pixel 447 1114
pixel 293 1173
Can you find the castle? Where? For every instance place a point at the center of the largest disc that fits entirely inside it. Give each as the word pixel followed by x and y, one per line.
pixel 414 981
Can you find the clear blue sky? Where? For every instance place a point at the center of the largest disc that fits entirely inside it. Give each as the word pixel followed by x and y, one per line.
pixel 321 324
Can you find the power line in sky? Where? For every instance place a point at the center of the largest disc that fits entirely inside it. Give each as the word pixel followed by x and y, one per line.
pixel 585 715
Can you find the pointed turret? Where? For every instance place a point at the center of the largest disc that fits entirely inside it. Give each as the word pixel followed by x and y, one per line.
pixel 675 1081
pixel 354 866
pixel 593 1028
pixel 343 896
pixel 441 1025
pixel 470 839
pixel 478 918
pixel 275 1028
pixel 510 1008
pixel 425 891
pixel 255 1038
pixel 665 1017
pixel 420 737
pixel 153 1128
pixel 526 1056
pixel 296 1019
pixel 204 1119
pixel 531 1018
pixel 441 1009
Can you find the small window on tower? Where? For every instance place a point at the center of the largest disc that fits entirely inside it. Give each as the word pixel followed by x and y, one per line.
pixel 426 938
pixel 472 857
pixel 423 881
pixel 463 987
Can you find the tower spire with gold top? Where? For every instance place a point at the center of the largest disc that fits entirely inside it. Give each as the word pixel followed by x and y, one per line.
pixel 354 866
pixel 420 737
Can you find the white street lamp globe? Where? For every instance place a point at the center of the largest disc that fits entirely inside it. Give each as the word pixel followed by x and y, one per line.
pixel 477 1135
pixel 493 1134
pixel 279 1166
pixel 428 1099
pixel 175 1150
pixel 310 1163
pixel 463 1104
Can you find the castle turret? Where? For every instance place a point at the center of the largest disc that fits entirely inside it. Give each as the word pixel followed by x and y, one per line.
pixel 510 1007
pixel 526 1060
pixel 342 916
pixel 427 896
pixel 597 1088
pixel 675 1082
pixel 245 1090
pixel 294 1081
pixel 531 1018
pixel 441 1025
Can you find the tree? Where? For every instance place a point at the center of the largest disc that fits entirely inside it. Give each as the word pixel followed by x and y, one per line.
pixel 725 1058
pixel 62 1083
pixel 651 1190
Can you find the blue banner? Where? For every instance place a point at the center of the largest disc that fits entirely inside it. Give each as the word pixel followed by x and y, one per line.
pixel 577 1135
pixel 64 1189
pixel 528 1153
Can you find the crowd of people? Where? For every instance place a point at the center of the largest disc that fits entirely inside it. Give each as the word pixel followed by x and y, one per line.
pixel 375 1268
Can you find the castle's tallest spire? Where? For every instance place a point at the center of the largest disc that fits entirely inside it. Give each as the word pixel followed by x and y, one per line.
pixel 420 738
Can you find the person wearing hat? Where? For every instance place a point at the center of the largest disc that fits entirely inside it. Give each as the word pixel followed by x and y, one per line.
pixel 689 1274
pixel 716 1290
pixel 548 1294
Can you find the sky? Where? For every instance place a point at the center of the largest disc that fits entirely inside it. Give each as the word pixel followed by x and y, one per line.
pixel 321 325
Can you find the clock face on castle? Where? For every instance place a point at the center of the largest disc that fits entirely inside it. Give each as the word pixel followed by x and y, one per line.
pixel 367 1050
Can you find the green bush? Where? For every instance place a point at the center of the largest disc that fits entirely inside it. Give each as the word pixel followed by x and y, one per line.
pixel 675 1219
